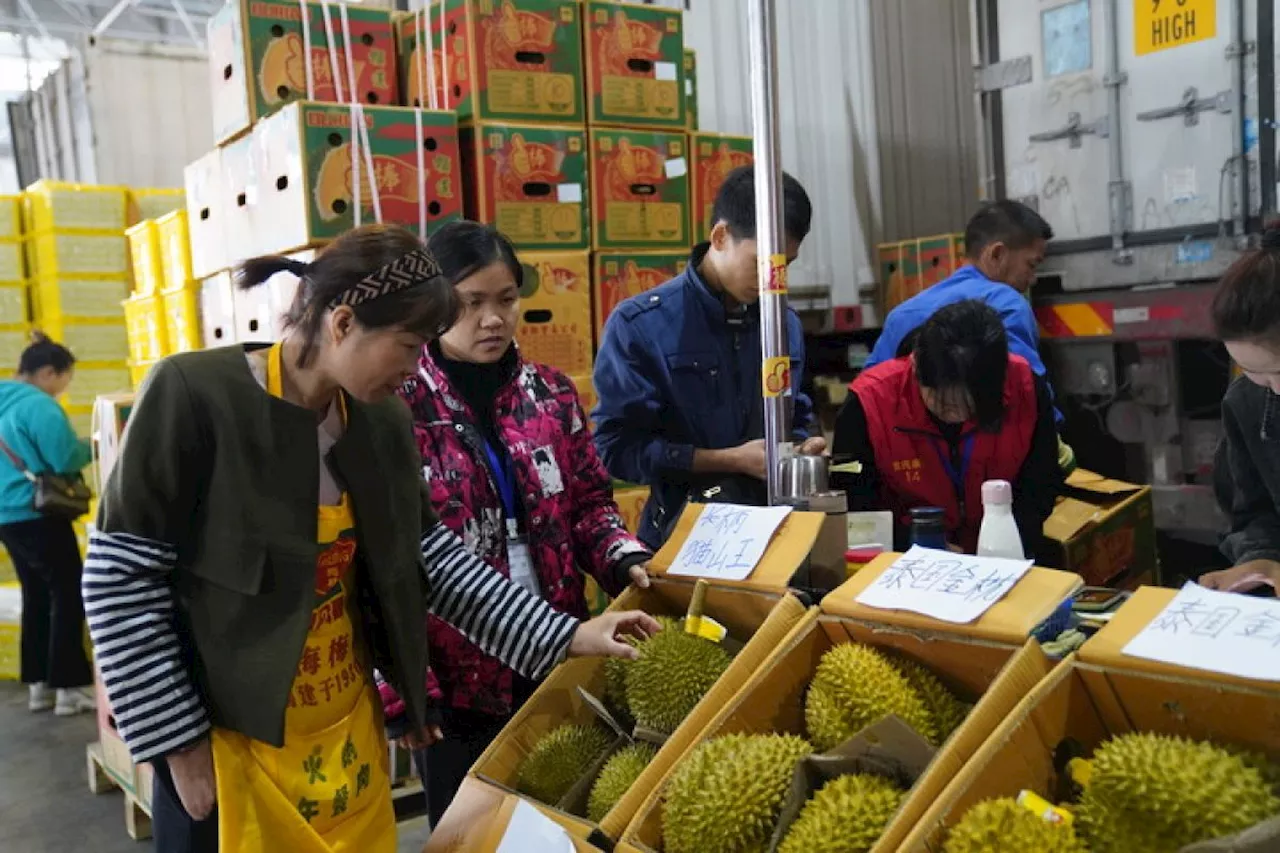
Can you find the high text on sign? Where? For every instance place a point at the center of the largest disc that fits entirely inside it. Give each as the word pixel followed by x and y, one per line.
pixel 1163 24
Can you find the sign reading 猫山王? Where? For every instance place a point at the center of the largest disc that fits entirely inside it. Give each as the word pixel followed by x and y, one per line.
pixel 1214 631
pixel 1162 24
pixel 727 541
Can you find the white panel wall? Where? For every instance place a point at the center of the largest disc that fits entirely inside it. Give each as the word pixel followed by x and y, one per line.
pixel 827 117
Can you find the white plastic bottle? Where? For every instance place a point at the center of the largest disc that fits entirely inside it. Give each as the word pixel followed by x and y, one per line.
pixel 999 536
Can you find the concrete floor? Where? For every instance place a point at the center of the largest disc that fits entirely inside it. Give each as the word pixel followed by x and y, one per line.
pixel 45 804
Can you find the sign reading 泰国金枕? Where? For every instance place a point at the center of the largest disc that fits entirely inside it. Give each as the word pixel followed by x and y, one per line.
pixel 1162 24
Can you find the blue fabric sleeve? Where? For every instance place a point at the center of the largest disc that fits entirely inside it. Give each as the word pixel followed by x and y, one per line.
pixel 1024 334
pixel 886 348
pixel 802 411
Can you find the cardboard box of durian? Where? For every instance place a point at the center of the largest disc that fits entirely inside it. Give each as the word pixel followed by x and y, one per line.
pixel 1119 754
pixel 563 741
pixel 853 727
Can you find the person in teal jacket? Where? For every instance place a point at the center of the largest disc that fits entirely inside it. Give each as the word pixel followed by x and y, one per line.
pixel 43 548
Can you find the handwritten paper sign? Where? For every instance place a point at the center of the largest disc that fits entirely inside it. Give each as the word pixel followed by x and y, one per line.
pixel 1214 631
pixel 727 541
pixel 530 831
pixel 950 587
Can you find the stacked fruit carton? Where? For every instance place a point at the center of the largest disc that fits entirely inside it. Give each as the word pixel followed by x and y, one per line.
pixel 909 267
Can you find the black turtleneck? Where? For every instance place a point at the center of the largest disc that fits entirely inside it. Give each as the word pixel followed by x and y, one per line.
pixel 478 385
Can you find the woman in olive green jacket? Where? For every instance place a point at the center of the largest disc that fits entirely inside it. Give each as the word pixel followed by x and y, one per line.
pixel 264 543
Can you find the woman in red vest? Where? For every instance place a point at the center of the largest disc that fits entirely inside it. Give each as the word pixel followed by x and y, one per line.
pixel 930 427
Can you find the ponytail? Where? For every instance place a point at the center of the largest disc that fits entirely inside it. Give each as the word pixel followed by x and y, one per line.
pixel 43 352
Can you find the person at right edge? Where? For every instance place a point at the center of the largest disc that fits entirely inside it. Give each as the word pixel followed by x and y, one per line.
pixel 1005 243
pixel 1246 470
pixel 266 541
pixel 678 371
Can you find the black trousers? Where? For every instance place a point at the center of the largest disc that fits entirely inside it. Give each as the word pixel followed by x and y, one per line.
pixel 47 559
pixel 467 734
pixel 172 828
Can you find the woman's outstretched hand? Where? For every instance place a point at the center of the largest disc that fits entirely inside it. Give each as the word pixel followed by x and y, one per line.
pixel 603 636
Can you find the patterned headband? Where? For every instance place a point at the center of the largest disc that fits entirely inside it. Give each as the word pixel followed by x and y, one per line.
pixel 404 272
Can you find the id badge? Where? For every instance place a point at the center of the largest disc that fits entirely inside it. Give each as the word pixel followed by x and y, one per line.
pixel 520 563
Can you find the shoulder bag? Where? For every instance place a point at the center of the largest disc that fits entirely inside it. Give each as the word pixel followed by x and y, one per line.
pixel 56 495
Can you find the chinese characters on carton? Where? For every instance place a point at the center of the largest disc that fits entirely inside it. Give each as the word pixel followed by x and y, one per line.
pixel 950 587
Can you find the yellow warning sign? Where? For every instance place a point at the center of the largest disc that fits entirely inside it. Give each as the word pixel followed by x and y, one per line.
pixel 1162 24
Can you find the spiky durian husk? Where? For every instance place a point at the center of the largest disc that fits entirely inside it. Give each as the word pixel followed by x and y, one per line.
pixel 846 815
pixel 619 772
pixel 725 796
pixel 616 669
pixel 1149 792
pixel 947 710
pixel 1004 826
pixel 855 686
pixel 674 671
pixel 559 759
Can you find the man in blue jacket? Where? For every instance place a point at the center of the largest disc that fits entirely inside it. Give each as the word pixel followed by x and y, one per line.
pixel 1005 242
pixel 678 371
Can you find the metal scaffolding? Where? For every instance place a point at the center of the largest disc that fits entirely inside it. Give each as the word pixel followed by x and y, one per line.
pixel 179 22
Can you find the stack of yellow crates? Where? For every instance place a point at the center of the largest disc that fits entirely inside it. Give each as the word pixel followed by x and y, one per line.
pixel 79 263
pixel 163 314
pixel 15 308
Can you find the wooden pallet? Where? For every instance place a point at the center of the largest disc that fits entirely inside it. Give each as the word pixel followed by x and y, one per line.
pixel 137 816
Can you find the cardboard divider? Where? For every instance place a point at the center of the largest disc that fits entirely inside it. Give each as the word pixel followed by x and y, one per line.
pixel 758 620
pixel 992 675
pixel 1091 704
pixel 477 819
pixel 1010 620
pixel 785 555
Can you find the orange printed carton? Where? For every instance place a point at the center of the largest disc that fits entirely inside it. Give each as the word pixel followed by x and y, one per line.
pixel 530 182
pixel 304 158
pixel 502 60
pixel 555 310
pixel 635 65
pixel 617 276
pixel 639 190
pixel 712 157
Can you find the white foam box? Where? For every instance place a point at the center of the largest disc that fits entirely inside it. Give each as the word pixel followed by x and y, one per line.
pixel 217 311
pixel 205 185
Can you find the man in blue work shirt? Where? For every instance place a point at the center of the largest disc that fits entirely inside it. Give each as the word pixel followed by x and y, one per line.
pixel 678 374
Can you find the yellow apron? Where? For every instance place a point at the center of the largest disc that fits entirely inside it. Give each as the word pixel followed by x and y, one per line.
pixel 328 789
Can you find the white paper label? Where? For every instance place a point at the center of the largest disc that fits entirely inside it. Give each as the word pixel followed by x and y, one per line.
pixel 569 193
pixel 728 541
pixel 1214 631
pixel 870 528
pixel 942 585
pixel 676 167
pixel 1180 185
pixel 664 71
pixel 688 87
pixel 1141 314
pixel 530 831
pixel 520 564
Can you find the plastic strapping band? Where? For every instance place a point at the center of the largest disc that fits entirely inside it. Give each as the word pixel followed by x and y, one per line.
pixel 333 52
pixel 424 54
pixel 422 174
pixel 432 98
pixel 444 57
pixel 346 48
pixel 362 127
pixel 305 19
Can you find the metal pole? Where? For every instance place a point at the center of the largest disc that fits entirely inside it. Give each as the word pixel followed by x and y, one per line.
pixel 770 240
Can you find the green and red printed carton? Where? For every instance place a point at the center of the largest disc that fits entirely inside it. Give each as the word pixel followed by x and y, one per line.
pixel 530 182
pixel 712 156
pixel 304 160
pixel 502 60
pixel 257 59
pixel 691 89
pixel 639 190
pixel 618 276
pixel 635 65
pixel 939 257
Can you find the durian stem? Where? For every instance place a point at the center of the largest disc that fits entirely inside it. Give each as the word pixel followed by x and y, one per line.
pixel 693 616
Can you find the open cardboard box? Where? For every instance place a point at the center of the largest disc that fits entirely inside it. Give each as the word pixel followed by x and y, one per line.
pixel 993 674
pixel 1089 704
pixel 1103 529
pixel 478 818
pixel 757 620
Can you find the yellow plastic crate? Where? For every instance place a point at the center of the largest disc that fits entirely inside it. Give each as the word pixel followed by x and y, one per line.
pixel 11 217
pixel 79 299
pixel 84 207
pixel 182 318
pixel 60 254
pixel 145 322
pixel 138 371
pixel 14 306
pixel 13 265
pixel 93 380
pixel 144 252
pixel 8 574
pixel 175 248
pixel 154 202
pixel 89 340
pixel 10 651
pixel 13 340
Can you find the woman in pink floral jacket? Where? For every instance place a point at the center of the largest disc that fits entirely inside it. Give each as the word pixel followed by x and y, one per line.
pixel 513 471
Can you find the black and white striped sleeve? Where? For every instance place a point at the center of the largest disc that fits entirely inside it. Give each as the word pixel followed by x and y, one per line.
pixel 129 604
pixel 503 619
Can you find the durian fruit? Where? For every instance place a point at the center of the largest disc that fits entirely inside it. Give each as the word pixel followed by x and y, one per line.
pixel 948 712
pixel 560 759
pixel 846 815
pixel 855 686
pixel 674 671
pixel 616 669
pixel 1150 793
pixel 726 794
pixel 617 775
pixel 1003 825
